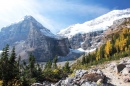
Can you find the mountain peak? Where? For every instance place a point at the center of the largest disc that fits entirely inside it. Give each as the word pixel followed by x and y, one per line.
pixel 28 17
pixel 39 26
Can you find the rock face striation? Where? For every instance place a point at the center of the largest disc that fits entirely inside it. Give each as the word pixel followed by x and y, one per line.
pixel 29 36
pixel 87 40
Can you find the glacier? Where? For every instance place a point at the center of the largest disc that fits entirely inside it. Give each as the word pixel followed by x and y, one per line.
pixel 100 23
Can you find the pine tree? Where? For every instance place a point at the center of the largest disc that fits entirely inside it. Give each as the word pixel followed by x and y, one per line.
pixel 39 74
pixel 83 60
pixel 48 64
pixel 66 68
pixel 98 55
pixel 18 62
pixel 55 62
pixel 4 67
pixel 102 51
pixel 13 64
pixel 32 65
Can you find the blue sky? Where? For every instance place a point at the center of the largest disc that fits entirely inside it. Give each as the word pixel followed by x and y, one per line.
pixel 57 14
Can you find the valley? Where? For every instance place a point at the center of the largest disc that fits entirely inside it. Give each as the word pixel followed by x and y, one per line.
pixel 88 54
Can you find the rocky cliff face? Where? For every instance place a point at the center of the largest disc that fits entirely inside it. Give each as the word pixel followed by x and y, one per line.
pixel 91 34
pixel 87 40
pixel 30 36
pixel 91 40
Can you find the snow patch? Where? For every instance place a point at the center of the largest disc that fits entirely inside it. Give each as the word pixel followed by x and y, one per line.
pixel 76 51
pixel 74 54
pixel 86 51
pixel 80 50
pixel 47 32
pixel 1 51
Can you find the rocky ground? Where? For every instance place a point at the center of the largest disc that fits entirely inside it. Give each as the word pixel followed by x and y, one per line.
pixel 118 72
pixel 114 73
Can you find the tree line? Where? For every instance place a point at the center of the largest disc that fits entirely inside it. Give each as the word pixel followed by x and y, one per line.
pixel 117 46
pixel 15 72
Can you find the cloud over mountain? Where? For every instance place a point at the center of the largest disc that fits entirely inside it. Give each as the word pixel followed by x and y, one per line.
pixel 54 15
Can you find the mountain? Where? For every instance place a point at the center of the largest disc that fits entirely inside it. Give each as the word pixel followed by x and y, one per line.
pixel 29 36
pixel 100 23
pixel 90 34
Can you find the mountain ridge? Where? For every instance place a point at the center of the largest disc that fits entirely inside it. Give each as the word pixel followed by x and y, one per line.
pixel 33 37
pixel 100 23
pixel 91 34
pixel 29 36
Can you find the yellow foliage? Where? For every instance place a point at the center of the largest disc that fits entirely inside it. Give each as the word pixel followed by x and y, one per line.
pixel 55 71
pixel 122 42
pixel 1 82
pixel 98 55
pixel 108 48
pixel 72 75
pixel 117 45
pixel 125 30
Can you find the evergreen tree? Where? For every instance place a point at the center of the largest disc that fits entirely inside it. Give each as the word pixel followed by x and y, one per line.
pixel 32 65
pixel 48 64
pixel 13 56
pixel 102 51
pixel 98 55
pixel 18 63
pixel 39 74
pixel 14 69
pixel 83 60
pixel 66 68
pixel 55 62
pixel 5 66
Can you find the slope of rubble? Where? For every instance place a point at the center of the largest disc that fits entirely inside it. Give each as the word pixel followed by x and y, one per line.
pixel 114 73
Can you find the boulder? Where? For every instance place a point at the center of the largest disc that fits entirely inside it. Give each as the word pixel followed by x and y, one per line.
pixel 86 84
pixel 120 67
pixel 128 65
pixel 93 71
pixel 100 81
pixel 68 81
pixel 58 83
pixel 46 83
pixel 122 62
pixel 37 84
pixel 89 84
pixel 99 72
pixel 126 78
pixel 128 61
pixel 93 77
pixel 79 73
pixel 83 81
pixel 126 71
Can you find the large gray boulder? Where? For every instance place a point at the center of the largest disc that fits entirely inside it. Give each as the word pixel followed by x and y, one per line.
pixel 37 84
pixel 80 73
pixel 93 77
pixel 126 71
pixel 120 67
pixel 126 78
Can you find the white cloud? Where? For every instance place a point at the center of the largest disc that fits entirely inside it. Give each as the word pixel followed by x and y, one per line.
pixel 13 10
